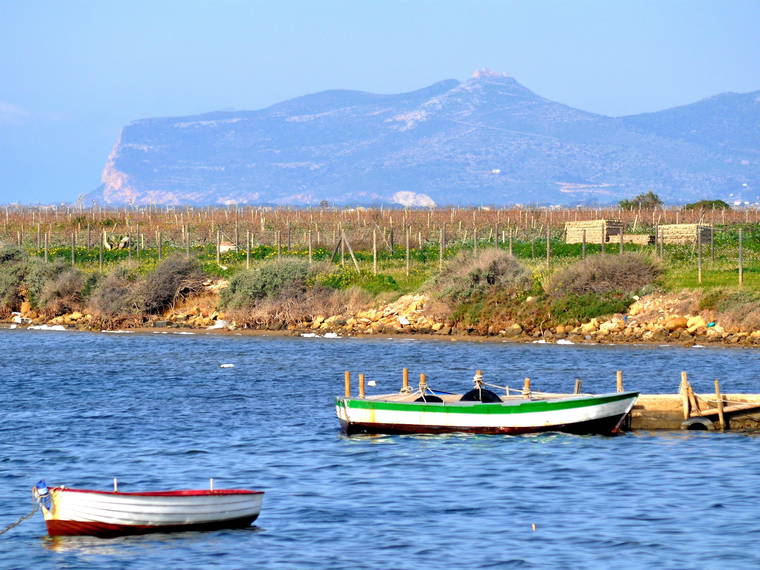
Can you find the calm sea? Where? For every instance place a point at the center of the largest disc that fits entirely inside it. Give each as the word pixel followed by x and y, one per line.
pixel 158 412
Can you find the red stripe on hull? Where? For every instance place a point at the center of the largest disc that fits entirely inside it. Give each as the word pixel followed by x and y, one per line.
pixel 603 426
pixel 108 530
pixel 182 493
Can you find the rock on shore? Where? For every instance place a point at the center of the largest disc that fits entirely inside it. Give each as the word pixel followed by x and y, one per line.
pixel 656 318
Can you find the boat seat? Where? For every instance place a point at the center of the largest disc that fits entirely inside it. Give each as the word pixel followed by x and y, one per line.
pixel 429 398
pixel 480 395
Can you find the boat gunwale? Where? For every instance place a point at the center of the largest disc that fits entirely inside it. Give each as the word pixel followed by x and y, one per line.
pixel 178 493
pixel 516 407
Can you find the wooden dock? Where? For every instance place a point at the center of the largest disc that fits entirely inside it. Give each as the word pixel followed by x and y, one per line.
pixel 684 410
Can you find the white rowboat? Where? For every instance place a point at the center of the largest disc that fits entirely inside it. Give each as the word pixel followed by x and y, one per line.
pixel 112 513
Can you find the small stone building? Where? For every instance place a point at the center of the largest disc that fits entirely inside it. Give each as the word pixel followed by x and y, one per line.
pixel 679 234
pixel 597 231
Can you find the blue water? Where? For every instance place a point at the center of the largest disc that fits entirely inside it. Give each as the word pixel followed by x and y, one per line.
pixel 157 411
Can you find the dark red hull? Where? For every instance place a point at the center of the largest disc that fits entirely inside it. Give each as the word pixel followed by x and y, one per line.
pixel 107 530
pixel 604 426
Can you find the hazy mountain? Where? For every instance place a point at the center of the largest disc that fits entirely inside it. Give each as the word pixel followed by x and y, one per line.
pixel 488 140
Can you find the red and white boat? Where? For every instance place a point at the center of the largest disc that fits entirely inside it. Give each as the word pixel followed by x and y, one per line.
pixel 113 513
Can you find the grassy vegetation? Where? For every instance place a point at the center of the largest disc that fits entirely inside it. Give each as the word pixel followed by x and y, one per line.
pixel 486 288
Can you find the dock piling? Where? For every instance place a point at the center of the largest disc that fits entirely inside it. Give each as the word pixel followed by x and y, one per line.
pixel 683 390
pixel 719 397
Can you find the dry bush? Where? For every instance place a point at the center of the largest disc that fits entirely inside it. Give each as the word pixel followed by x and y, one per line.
pixel 175 277
pixel 11 277
pixel 63 294
pixel 735 310
pixel 278 312
pixel 114 299
pixel 466 277
pixel 601 274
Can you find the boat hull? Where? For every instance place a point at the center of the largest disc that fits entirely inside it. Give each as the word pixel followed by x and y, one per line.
pixel 601 415
pixel 105 514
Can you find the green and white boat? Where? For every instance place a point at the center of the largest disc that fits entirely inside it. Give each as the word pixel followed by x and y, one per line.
pixel 482 411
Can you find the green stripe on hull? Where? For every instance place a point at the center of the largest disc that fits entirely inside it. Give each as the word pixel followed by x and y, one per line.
pixel 528 406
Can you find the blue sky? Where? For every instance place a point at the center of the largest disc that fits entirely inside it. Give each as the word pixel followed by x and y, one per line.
pixel 73 73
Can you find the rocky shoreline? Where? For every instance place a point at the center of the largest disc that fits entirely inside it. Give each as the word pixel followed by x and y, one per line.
pixel 655 318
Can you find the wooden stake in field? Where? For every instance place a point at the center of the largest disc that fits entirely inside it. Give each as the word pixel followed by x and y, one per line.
pixel 374 251
pixel 406 238
pixel 741 260
pixel 440 249
pixel 248 248
pixel 699 256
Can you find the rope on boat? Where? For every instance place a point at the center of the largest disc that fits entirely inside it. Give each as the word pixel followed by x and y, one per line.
pixel 22 519
pixel 517 391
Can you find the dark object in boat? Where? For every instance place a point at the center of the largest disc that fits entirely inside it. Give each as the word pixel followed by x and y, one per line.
pixel 429 398
pixel 480 395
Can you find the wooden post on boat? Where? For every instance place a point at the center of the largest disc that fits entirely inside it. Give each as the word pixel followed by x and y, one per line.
pixel 405 380
pixel 526 388
pixel 719 397
pixel 619 378
pixel 361 386
pixel 423 383
pixel 347 383
pixel 115 485
pixel 211 484
pixel 683 390
pixel 577 389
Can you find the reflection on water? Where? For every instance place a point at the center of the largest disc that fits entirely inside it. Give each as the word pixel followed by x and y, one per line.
pixel 157 412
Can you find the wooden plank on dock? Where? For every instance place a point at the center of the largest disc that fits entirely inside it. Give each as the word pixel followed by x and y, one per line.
pixel 730 409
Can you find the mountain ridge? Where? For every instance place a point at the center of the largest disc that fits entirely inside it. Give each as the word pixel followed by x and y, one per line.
pixel 487 140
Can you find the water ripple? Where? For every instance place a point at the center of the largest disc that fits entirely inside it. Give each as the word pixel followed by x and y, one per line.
pixel 157 412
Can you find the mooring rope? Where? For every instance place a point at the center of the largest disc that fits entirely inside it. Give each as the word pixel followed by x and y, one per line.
pixel 22 519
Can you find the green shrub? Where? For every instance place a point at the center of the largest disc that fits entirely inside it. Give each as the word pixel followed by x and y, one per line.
pixel 707 205
pixel 602 274
pixel 642 201
pixel 580 308
pixel 468 278
pixel 345 277
pixel 173 278
pixel 284 278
